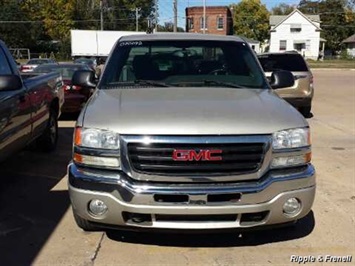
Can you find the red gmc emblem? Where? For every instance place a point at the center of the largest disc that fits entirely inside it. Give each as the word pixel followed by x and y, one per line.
pixel 202 155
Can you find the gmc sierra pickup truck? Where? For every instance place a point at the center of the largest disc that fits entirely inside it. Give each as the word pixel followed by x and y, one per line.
pixel 185 132
pixel 29 107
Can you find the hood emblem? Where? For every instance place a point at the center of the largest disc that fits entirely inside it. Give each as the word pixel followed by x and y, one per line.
pixel 201 155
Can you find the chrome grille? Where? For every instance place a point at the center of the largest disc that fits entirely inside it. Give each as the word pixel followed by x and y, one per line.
pixel 157 158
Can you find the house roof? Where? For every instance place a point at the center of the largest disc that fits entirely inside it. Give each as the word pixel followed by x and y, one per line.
pixel 249 40
pixel 275 21
pixel 350 39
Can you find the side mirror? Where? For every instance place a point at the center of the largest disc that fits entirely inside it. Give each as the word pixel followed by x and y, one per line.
pixel 10 83
pixel 84 78
pixel 282 79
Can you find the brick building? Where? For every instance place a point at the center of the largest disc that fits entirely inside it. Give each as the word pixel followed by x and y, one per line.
pixel 218 20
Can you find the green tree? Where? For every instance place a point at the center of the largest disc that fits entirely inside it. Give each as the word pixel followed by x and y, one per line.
pixel 251 19
pixel 121 14
pixel 168 27
pixel 337 19
pixel 58 24
pixel 282 9
pixel 13 25
pixel 56 16
pixel 39 37
pixel 308 7
pixel 87 14
pixel 335 27
pixel 51 21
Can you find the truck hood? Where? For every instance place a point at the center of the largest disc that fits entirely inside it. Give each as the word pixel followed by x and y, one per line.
pixel 190 111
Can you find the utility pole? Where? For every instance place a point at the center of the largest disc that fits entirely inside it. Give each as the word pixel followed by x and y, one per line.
pixel 156 15
pixel 175 15
pixel 101 16
pixel 137 16
pixel 204 16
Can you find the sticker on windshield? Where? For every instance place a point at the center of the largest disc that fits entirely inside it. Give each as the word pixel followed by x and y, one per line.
pixel 135 43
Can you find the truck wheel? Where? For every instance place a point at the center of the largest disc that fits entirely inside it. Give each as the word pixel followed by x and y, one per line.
pixel 83 224
pixel 306 111
pixel 48 141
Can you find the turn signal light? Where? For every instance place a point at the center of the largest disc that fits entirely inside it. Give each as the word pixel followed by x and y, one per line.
pixel 77 136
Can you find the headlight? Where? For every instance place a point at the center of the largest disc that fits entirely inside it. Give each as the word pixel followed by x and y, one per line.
pixel 97 148
pixel 285 141
pixel 291 138
pixel 96 138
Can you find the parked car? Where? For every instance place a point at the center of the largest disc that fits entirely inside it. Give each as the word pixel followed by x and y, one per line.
pixel 300 95
pixel 91 62
pixel 184 132
pixel 75 96
pixel 33 63
pixel 29 107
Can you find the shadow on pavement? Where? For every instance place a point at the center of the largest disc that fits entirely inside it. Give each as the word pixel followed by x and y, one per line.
pixel 226 239
pixel 69 116
pixel 30 208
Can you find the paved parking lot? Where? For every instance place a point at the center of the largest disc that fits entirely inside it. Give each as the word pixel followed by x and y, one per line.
pixel 37 227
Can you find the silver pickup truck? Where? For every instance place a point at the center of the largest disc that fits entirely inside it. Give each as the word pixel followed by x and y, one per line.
pixel 184 132
pixel 29 107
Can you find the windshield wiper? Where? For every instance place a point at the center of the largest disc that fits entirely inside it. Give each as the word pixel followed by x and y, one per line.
pixel 221 83
pixel 136 83
pixel 151 82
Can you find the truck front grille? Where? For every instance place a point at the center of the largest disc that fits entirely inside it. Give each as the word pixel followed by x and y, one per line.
pixel 158 158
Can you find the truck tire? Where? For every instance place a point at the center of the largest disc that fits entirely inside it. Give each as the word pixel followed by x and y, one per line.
pixel 48 140
pixel 84 224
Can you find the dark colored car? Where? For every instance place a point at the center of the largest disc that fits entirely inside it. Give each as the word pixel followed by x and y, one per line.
pixel 300 95
pixel 75 96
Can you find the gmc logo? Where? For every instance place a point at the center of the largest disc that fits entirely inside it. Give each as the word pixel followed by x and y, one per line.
pixel 202 155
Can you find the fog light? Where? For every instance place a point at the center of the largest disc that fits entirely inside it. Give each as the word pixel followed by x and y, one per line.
pixel 97 207
pixel 292 207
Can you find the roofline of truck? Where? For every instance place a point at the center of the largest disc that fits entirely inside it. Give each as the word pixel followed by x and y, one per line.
pixel 180 36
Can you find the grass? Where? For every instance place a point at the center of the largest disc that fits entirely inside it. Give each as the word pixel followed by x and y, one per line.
pixel 332 63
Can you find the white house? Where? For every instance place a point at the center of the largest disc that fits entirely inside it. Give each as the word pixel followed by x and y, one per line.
pixel 255 45
pixel 296 32
pixel 350 45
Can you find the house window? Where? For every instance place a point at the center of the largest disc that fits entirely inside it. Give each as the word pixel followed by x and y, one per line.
pixel 220 23
pixel 295 28
pixel 308 45
pixel 299 46
pixel 203 23
pixel 283 45
pixel 190 23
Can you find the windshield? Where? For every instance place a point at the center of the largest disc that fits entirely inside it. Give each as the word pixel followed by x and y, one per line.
pixel 37 61
pixel 289 62
pixel 66 71
pixel 84 61
pixel 182 63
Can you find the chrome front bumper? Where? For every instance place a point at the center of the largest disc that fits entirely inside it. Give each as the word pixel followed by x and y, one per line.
pixel 257 202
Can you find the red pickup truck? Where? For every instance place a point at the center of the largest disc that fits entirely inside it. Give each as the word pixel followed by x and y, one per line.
pixel 29 107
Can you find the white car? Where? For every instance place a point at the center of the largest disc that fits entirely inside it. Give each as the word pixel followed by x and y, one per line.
pixel 33 63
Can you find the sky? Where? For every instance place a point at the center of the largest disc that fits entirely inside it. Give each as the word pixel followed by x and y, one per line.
pixel 166 13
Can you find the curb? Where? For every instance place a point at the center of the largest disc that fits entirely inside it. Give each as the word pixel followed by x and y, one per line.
pixel 332 69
